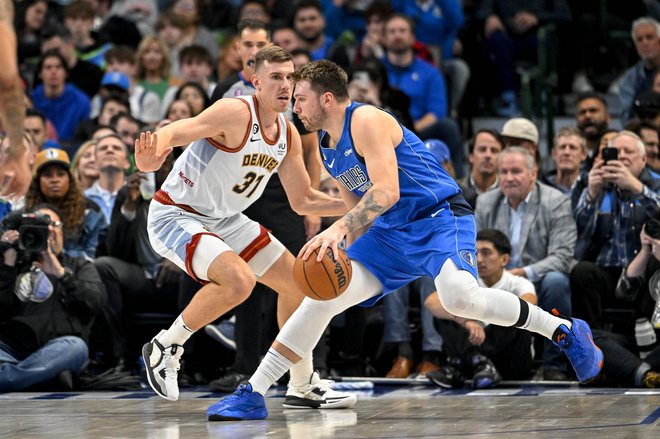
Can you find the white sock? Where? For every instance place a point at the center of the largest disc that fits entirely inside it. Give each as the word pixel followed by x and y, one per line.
pixel 301 372
pixel 177 334
pixel 542 322
pixel 271 368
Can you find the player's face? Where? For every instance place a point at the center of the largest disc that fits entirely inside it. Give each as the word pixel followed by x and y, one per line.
pixel 490 263
pixel 568 153
pixel 516 179
pixel 484 155
pixel 308 107
pixel 274 84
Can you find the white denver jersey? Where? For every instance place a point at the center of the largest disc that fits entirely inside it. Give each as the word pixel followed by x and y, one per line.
pixel 219 182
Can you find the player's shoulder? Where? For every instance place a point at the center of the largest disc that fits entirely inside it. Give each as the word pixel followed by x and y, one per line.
pixel 232 106
pixel 372 116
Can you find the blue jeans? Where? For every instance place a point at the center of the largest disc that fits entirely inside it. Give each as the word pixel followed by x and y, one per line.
pixel 19 371
pixel 396 326
pixel 554 291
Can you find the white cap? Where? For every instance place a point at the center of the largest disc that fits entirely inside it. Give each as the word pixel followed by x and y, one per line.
pixel 521 128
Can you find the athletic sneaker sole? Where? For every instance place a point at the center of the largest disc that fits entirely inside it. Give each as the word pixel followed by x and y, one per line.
pixel 146 354
pixel 295 402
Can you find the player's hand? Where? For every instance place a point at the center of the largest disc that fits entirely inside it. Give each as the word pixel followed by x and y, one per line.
pixel 476 333
pixel 312 225
pixel 15 175
pixel 149 155
pixel 329 238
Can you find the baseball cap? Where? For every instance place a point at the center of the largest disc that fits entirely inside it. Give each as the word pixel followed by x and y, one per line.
pixel 439 150
pixel 521 128
pixel 51 156
pixel 118 79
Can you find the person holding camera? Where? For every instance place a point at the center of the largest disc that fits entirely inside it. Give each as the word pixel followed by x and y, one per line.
pixel 47 302
pixel 620 197
pixel 626 362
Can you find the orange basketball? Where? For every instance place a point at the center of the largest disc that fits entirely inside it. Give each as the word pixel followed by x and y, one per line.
pixel 323 280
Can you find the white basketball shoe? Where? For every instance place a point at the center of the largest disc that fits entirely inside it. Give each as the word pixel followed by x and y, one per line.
pixel 162 364
pixel 318 394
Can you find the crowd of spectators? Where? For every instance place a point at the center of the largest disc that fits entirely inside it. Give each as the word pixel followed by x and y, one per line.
pixel 574 229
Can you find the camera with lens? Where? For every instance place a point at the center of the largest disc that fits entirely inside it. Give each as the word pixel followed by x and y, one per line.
pixel 32 231
pixel 652 229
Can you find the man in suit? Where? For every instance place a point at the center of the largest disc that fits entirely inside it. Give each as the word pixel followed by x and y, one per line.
pixel 538 221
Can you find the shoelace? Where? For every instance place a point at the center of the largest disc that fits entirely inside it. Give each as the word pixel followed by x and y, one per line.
pixel 324 385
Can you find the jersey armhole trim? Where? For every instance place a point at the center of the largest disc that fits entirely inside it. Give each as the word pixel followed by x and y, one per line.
pixel 288 136
pixel 245 137
pixel 263 133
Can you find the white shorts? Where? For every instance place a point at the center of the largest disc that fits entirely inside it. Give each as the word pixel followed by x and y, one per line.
pixel 178 235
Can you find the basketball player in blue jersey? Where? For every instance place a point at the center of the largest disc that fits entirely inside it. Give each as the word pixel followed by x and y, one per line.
pixel 420 225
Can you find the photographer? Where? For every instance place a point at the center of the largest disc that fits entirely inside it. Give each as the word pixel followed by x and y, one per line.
pixel 639 284
pixel 47 302
pixel 620 197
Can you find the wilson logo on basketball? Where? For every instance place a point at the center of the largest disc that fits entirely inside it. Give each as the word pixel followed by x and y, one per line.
pixel 341 275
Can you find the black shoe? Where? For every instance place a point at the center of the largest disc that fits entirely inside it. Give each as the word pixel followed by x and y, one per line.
pixel 485 374
pixel 228 383
pixel 447 377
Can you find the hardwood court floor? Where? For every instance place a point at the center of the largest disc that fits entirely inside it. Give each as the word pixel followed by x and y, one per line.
pixel 385 412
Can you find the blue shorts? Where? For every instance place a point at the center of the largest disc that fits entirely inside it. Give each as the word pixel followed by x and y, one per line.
pixel 399 255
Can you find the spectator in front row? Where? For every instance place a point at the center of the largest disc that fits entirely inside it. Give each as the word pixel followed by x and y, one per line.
pixel 620 198
pixel 82 219
pixel 44 325
pixel 484 148
pixel 489 353
pixel 639 284
pixel 538 221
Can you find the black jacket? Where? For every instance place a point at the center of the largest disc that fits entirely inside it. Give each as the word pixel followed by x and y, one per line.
pixel 70 310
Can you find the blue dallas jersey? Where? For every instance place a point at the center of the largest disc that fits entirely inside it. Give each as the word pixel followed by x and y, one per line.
pixel 423 183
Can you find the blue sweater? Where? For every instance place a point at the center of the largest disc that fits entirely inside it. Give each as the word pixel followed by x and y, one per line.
pixel 423 83
pixel 65 111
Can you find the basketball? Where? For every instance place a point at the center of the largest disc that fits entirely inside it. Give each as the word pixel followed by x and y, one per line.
pixel 323 280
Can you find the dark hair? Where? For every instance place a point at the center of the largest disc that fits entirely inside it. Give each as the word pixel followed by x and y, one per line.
pixel 115 98
pixel 271 54
pixel 380 9
pixel 405 17
pixel 324 76
pixel 123 115
pixel 637 125
pixel 492 132
pixel 207 101
pixel 31 112
pixel 195 53
pixel 591 95
pixel 120 53
pixel 305 4
pixel 21 11
pixel 48 206
pixel 53 53
pixel 296 52
pixel 252 25
pixel 56 30
pixel 72 205
pixel 173 18
pixel 497 238
pixel 79 8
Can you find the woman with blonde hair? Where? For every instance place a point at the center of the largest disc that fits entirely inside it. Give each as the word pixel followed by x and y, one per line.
pixel 154 66
pixel 83 165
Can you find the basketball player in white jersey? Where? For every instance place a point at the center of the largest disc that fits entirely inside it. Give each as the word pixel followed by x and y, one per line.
pixel 195 219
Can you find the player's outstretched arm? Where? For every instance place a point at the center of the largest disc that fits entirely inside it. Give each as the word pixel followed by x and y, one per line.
pixel 304 199
pixel 225 121
pixel 14 167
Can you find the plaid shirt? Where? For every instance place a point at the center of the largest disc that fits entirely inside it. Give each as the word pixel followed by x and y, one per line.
pixel 609 227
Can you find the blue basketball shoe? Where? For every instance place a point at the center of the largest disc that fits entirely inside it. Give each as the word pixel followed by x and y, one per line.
pixel 578 344
pixel 243 405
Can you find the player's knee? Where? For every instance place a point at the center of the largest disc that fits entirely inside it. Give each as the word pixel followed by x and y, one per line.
pixel 455 292
pixel 238 282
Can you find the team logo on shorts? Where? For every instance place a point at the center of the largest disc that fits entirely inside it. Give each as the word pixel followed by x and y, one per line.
pixel 255 128
pixel 466 255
